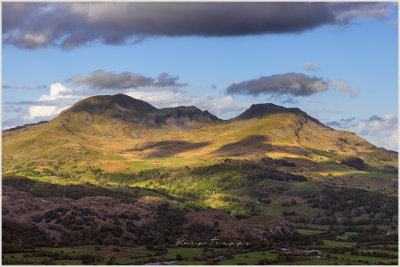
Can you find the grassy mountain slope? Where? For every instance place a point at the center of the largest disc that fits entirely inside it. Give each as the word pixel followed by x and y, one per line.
pixel 119 126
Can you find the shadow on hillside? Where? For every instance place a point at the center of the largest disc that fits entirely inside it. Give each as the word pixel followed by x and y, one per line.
pixel 249 145
pixel 256 144
pixel 294 150
pixel 169 148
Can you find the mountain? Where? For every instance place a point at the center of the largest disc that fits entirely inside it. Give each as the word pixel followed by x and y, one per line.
pixel 140 131
pixel 111 105
pixel 104 111
pixel 258 111
pixel 185 117
pixel 114 170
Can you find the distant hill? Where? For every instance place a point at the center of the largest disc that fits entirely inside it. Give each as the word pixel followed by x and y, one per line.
pixel 22 126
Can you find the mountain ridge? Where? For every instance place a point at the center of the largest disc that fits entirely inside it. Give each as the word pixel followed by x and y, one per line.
pixel 132 129
pixel 127 109
pixel 264 109
pixel 128 106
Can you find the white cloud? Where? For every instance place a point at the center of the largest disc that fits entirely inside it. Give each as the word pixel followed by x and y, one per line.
pixel 344 88
pixel 13 121
pixel 57 90
pixel 221 106
pixel 383 129
pixel 49 106
pixel 61 97
pixel 379 130
pixel 346 11
pixel 45 112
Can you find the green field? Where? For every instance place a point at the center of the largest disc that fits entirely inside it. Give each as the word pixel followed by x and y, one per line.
pixel 333 244
pixel 249 258
pixel 375 260
pixel 185 256
pixel 143 165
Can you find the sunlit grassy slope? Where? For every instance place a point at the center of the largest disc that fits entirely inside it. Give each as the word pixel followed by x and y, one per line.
pixel 119 133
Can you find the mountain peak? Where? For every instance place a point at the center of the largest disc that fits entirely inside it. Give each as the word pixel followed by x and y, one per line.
pixel 126 109
pixel 119 102
pixel 258 111
pixel 186 117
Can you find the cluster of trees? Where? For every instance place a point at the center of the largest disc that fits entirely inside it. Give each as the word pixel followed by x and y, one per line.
pixel 167 227
pixel 242 210
pixel 351 161
pixel 374 238
pixel 379 154
pixel 291 203
pixel 43 189
pixel 78 219
pixel 120 178
pixel 254 170
pixel 350 201
pixel 115 230
pixel 16 237
pixel 229 199
pixel 379 254
pixel 132 216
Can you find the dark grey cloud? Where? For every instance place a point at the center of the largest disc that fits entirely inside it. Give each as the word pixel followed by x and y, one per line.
pixel 311 66
pixel 295 84
pixel 36 25
pixel 6 85
pixel 108 80
pixel 164 80
pixel 14 13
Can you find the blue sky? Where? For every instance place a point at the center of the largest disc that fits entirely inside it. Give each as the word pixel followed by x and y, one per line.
pixel 341 70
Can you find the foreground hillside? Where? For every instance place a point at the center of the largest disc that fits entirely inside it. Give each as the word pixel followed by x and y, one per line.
pixel 125 181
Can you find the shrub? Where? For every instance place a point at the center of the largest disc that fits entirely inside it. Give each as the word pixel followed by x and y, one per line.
pixel 179 257
pixel 285 204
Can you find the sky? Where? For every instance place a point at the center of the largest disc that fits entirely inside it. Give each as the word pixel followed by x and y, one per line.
pixel 335 61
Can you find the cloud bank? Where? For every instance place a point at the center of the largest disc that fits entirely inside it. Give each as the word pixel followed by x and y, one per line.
pixel 381 130
pixel 295 84
pixel 6 85
pixel 69 25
